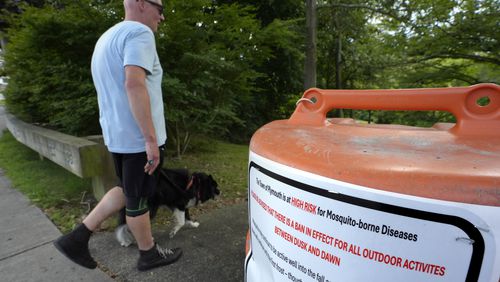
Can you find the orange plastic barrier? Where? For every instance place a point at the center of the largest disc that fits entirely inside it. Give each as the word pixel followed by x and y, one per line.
pixel 341 200
pixel 472 119
pixel 450 162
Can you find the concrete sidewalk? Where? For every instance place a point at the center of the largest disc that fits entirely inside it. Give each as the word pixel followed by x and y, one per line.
pixel 26 250
pixel 26 235
pixel 212 252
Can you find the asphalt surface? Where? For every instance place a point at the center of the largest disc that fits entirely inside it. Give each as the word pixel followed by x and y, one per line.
pixel 212 252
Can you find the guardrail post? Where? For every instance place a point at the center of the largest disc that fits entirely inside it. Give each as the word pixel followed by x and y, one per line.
pixel 103 182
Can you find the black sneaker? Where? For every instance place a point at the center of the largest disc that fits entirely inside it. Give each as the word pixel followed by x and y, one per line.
pixel 157 256
pixel 76 249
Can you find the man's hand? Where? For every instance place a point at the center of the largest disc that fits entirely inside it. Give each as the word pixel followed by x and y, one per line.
pixel 153 154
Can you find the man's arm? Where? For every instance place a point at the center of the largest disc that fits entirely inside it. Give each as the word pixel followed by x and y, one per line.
pixel 138 97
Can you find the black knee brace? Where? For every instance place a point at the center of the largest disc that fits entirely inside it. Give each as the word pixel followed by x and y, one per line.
pixel 136 206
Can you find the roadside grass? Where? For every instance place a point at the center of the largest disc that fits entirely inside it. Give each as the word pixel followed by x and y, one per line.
pixel 51 188
pixel 64 197
pixel 227 163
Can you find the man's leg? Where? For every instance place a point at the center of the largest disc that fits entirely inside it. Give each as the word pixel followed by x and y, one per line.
pixel 150 254
pixel 140 226
pixel 74 245
pixel 112 202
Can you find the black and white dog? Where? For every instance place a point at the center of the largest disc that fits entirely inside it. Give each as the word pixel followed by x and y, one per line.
pixel 178 190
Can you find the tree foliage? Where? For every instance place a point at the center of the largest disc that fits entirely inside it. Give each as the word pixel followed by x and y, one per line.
pixel 231 66
pixel 282 24
pixel 48 61
pixel 403 44
pixel 214 57
pixel 448 42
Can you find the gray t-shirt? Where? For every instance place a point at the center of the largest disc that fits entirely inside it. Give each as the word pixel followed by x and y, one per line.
pixel 126 43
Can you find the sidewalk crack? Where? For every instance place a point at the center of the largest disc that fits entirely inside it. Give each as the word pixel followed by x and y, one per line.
pixel 26 250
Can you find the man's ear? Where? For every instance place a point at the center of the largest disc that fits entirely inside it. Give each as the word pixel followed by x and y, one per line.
pixel 141 4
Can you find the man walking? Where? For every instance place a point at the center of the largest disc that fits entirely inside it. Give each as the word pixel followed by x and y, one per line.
pixel 127 75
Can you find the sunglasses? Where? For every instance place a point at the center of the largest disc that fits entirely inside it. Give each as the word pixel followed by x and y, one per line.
pixel 158 6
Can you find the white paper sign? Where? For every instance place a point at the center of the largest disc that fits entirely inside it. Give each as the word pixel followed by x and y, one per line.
pixel 301 232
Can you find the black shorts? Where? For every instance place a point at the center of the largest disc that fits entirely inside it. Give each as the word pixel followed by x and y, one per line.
pixel 131 176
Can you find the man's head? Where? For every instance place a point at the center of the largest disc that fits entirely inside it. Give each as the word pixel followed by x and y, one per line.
pixel 148 12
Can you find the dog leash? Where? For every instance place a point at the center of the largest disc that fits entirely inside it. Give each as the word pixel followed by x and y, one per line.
pixel 182 191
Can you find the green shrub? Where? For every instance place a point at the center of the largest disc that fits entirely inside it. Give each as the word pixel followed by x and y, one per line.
pixel 48 61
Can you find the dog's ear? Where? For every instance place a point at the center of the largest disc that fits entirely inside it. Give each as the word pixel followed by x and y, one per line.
pixel 212 180
pixel 213 184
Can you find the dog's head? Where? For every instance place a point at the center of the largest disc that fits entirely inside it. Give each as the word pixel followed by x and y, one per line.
pixel 204 186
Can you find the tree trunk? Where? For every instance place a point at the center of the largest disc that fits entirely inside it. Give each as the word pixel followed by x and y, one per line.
pixel 310 61
pixel 3 43
pixel 338 63
pixel 338 60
